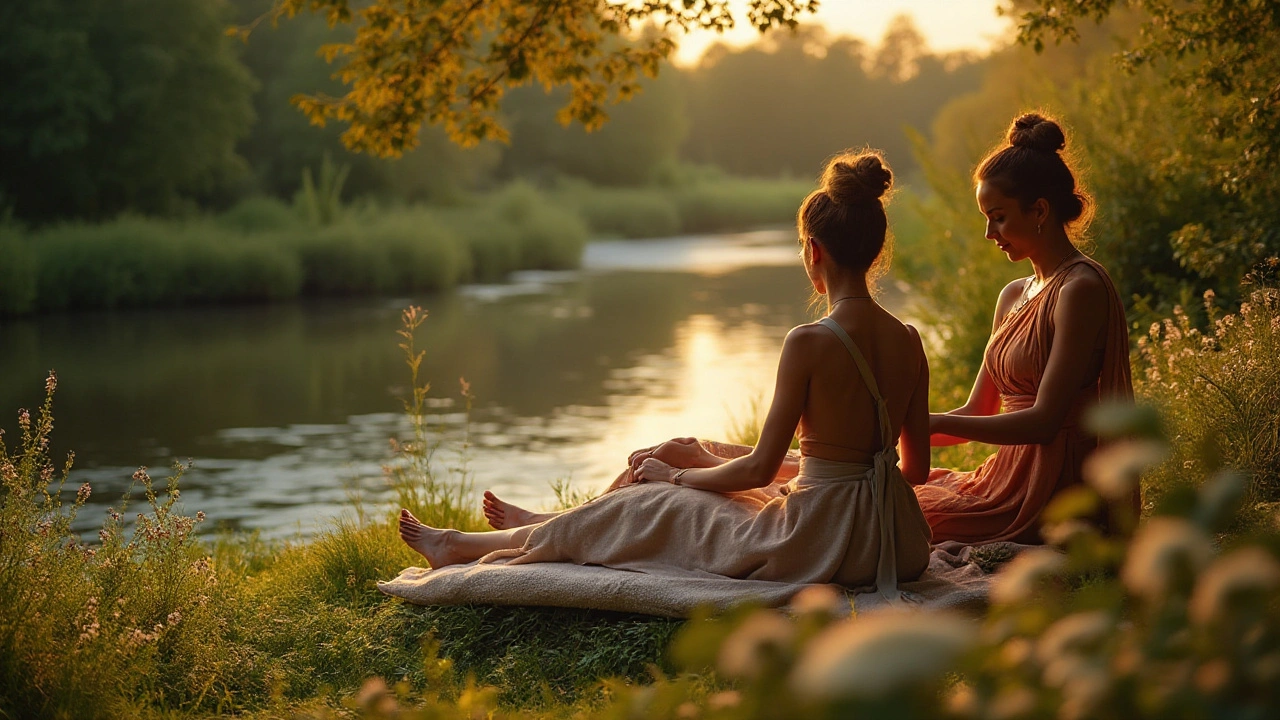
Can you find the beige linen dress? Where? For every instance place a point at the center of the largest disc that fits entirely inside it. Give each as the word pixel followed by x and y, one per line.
pixel 854 524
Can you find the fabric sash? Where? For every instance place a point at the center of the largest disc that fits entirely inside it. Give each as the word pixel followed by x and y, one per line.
pixel 878 472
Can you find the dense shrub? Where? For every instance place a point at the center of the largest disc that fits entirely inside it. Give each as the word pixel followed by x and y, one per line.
pixel 135 262
pixel 622 212
pixel 1220 389
pixel 263 250
pixel 259 214
pixel 398 252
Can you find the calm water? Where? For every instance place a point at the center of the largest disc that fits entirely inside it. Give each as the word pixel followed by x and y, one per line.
pixel 287 410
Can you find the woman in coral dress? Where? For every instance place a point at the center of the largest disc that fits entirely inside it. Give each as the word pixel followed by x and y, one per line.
pixel 1059 344
pixel 854 384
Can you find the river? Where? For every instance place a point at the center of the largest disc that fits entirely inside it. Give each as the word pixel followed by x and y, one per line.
pixel 287 410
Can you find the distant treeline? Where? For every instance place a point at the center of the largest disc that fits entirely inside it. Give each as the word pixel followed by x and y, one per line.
pixel 156 110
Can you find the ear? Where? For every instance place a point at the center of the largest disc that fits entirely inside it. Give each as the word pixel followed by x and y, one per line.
pixel 816 251
pixel 1040 210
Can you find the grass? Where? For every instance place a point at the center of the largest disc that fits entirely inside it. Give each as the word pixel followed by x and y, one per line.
pixel 152 620
pixel 262 250
pixel 705 203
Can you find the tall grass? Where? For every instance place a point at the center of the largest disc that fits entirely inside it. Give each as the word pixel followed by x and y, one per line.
pixel 153 620
pixel 262 250
pixel 707 203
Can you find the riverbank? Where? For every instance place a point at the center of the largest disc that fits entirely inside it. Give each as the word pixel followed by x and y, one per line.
pixel 154 621
pixel 265 251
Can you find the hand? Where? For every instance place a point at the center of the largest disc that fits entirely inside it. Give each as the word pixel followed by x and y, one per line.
pixel 654 470
pixel 681 452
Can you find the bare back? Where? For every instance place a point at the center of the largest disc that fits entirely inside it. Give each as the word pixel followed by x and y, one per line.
pixel 840 421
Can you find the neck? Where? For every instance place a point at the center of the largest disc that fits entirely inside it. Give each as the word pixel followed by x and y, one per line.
pixel 1050 256
pixel 846 287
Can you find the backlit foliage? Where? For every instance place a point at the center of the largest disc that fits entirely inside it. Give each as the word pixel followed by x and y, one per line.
pixel 449 62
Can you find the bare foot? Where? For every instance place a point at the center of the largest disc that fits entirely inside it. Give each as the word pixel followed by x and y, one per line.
pixel 432 544
pixel 502 515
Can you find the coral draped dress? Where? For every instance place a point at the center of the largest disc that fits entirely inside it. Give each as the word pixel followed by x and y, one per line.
pixel 1003 498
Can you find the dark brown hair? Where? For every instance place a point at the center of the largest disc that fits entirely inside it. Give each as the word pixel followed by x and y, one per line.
pixel 1030 166
pixel 846 214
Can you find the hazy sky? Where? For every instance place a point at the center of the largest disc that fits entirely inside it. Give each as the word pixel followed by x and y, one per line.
pixel 947 24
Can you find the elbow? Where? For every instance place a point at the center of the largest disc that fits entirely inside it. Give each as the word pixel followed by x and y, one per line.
pixel 915 470
pixel 760 474
pixel 1044 430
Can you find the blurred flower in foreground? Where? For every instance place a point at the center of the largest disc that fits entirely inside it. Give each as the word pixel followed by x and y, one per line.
pixel 1018 580
pixel 820 599
pixel 1249 570
pixel 1115 468
pixel 763 636
pixel 1164 546
pixel 877 655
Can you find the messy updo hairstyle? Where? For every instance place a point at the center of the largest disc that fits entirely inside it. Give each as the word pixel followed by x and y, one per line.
pixel 1030 166
pixel 846 214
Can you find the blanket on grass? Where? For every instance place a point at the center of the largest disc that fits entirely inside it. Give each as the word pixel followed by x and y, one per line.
pixel 958 577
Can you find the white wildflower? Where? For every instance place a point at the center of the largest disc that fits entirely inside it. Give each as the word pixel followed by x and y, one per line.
pixel 1073 633
pixel 875 656
pixel 1017 581
pixel 1247 570
pixel 1114 469
pixel 1158 549
pixel 763 633
pixel 821 599
pixel 1061 534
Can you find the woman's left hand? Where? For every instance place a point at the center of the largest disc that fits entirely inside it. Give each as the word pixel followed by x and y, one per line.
pixel 654 470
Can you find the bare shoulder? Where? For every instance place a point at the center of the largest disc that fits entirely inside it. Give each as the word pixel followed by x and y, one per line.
pixel 805 338
pixel 1009 297
pixel 1084 287
pixel 1011 292
pixel 916 344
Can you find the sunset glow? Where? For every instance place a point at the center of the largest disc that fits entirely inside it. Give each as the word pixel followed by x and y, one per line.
pixel 947 24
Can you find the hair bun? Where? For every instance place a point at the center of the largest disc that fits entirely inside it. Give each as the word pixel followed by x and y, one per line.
pixel 851 179
pixel 1037 133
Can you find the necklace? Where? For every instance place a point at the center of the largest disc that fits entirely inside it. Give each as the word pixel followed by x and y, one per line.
pixel 1027 295
pixel 850 297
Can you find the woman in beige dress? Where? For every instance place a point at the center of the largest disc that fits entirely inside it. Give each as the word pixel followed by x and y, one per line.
pixel 854 385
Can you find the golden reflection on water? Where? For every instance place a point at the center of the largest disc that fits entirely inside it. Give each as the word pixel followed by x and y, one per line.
pixel 284 407
pixel 715 375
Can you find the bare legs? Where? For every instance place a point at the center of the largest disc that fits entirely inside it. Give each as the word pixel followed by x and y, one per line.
pixel 453 547
pixel 502 515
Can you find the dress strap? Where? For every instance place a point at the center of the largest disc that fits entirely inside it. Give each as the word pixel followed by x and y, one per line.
pixel 882 409
pixel 883 466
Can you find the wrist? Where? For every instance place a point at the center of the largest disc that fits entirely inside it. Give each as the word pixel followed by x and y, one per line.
pixel 675 479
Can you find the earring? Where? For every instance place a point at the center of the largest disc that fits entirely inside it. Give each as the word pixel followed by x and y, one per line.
pixel 1040 229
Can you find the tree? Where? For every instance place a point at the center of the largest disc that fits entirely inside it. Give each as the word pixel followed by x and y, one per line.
pixel 135 104
pixel 449 62
pixel 1223 55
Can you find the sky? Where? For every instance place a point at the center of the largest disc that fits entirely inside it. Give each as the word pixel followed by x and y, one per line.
pixel 947 24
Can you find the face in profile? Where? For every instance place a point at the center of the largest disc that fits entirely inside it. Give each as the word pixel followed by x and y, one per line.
pixel 1013 229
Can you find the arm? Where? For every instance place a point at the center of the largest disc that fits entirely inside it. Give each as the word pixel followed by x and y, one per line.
pixel 727 451
pixel 913 443
pixel 984 399
pixel 1079 318
pixel 688 452
pixel 761 466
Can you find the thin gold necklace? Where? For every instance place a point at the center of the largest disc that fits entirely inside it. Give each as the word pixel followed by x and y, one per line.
pixel 1026 288
pixel 850 297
